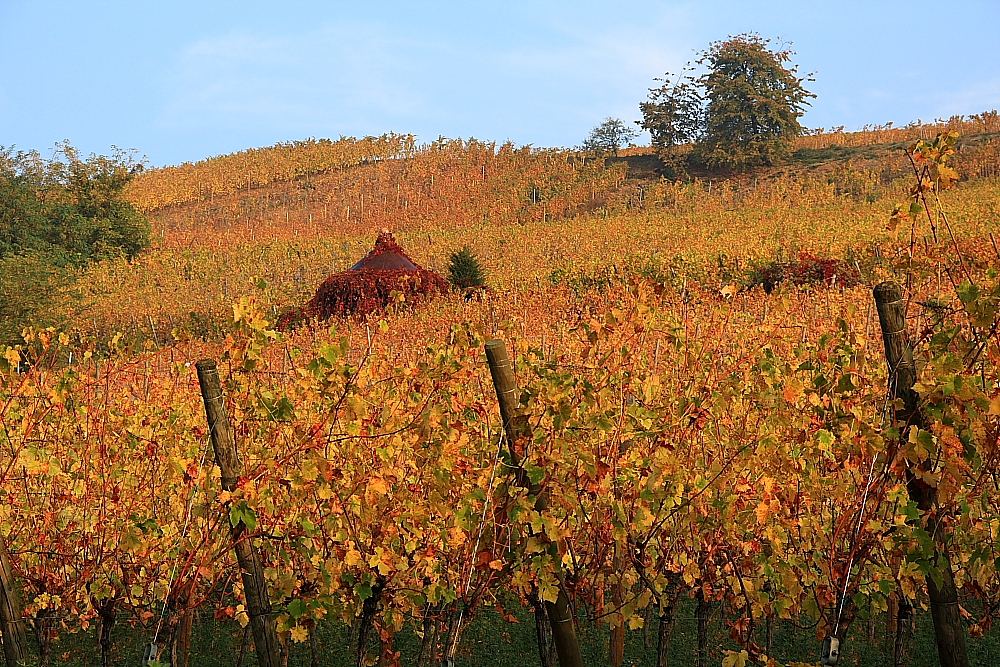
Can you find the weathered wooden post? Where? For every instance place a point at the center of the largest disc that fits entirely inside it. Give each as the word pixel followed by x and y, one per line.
pixel 948 629
pixel 15 643
pixel 265 636
pixel 560 613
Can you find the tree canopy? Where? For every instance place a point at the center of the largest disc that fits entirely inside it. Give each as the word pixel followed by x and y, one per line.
pixel 56 215
pixel 743 111
pixel 672 113
pixel 609 136
pixel 753 103
pixel 68 208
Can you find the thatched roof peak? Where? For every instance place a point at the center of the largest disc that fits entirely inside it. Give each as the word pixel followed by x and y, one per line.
pixel 387 255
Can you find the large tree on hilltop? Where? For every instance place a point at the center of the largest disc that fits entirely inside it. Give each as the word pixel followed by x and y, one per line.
pixel 753 102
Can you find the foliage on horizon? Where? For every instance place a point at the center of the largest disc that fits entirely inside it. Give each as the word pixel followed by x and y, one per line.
pixel 609 137
pixel 673 114
pixel 741 113
pixel 69 208
pixel 225 174
pixel 753 102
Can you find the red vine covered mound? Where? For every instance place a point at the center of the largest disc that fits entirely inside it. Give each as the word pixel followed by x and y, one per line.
pixel 368 286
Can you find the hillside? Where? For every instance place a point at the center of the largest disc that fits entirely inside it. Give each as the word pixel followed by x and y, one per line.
pixel 531 215
pixel 699 443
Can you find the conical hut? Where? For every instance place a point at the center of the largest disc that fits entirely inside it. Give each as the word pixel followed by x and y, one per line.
pixel 368 286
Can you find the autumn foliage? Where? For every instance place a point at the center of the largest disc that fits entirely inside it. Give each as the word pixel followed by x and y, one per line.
pixel 735 447
pixel 810 270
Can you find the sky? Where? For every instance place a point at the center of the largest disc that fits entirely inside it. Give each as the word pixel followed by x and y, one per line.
pixel 185 80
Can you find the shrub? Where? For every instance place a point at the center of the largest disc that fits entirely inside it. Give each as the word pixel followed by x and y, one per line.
pixel 808 270
pixel 464 270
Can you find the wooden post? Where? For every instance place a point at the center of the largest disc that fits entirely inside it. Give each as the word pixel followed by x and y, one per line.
pixel 948 629
pixel 560 612
pixel 265 636
pixel 15 643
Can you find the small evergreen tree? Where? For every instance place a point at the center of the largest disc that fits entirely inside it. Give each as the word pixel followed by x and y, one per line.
pixel 464 270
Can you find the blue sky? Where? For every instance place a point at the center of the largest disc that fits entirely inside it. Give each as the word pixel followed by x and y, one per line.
pixel 184 80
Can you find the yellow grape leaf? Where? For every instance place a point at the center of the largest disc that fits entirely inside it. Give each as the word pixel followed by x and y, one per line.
pixel 763 511
pixel 793 391
pixel 995 405
pixel 299 634
pixel 635 622
pixel 12 356
pixel 548 592
pixel 378 486
pixel 734 659
pixel 241 616
pixel 352 558
pixel 946 176
pixel 456 536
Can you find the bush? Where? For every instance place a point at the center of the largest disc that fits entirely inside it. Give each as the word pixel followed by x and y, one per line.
pixel 56 215
pixel 464 269
pixel 69 209
pixel 31 286
pixel 808 270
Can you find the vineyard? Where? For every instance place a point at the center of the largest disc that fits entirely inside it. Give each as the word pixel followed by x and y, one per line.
pixel 681 441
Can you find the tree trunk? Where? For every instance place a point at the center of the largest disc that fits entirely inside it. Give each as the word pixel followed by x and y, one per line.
pixel 543 634
pixel 668 615
pixel 244 644
pixel 313 644
pixel 43 634
pixel 616 641
pixel 900 649
pixel 891 620
pixel 180 645
pixel 647 620
pixel 388 655
pixel 368 611
pixel 15 643
pixel 428 643
pixel 107 613
pixel 456 622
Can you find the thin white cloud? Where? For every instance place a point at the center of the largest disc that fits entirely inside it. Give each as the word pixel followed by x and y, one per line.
pixel 334 79
pixel 305 78
pixel 974 98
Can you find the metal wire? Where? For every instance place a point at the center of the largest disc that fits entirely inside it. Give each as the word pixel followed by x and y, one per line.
pixel 479 529
pixel 187 525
